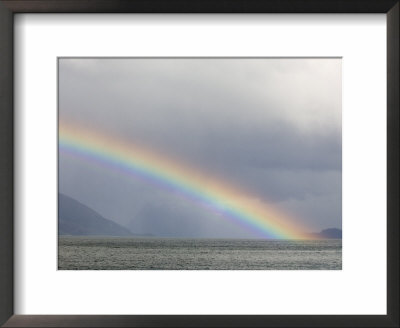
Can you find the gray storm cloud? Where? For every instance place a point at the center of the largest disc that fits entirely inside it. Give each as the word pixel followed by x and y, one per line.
pixel 270 126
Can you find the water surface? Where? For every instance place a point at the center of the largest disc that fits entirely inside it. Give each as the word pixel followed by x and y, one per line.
pixel 116 253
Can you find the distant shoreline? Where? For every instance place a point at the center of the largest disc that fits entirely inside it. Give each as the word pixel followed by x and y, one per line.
pixel 186 238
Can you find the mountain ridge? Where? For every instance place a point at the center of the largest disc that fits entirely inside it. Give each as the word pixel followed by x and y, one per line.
pixel 77 219
pixel 330 233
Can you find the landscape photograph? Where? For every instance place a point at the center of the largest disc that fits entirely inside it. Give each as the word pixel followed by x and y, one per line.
pixel 199 163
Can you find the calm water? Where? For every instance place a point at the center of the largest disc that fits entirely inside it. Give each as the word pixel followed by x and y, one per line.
pixel 109 253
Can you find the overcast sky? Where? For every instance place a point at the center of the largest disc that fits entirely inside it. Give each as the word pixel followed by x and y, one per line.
pixel 271 126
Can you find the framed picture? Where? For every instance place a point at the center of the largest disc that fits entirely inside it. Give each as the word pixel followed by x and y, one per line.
pixel 162 165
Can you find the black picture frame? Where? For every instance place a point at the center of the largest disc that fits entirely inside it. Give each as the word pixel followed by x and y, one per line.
pixel 10 7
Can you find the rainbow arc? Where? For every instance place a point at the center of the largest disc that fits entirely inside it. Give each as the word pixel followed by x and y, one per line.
pixel 220 197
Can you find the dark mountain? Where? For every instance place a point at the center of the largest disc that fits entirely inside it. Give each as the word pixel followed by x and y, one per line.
pixel 331 233
pixel 77 219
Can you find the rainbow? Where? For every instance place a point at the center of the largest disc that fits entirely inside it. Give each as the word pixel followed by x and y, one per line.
pixel 217 196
